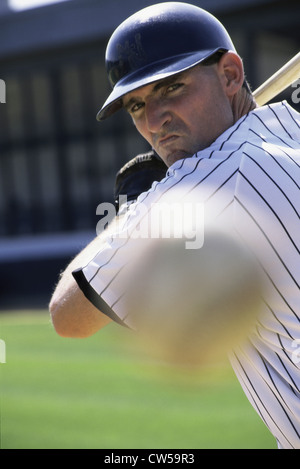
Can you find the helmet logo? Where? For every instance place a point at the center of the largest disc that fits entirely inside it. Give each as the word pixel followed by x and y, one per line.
pixel 133 54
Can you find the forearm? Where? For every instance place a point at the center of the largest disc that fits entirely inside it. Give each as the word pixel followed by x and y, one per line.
pixel 72 314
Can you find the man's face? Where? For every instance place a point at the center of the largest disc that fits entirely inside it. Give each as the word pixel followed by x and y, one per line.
pixel 182 114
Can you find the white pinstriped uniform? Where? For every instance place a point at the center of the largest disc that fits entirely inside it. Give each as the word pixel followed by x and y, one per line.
pixel 251 173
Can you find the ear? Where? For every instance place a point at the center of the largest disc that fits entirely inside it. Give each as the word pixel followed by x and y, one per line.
pixel 231 72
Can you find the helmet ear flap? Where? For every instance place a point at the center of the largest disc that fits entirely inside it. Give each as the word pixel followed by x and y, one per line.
pixel 157 42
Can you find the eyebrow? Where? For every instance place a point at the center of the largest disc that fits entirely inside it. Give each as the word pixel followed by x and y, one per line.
pixel 157 86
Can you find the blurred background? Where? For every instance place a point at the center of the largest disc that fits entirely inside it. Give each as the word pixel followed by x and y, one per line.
pixel 57 163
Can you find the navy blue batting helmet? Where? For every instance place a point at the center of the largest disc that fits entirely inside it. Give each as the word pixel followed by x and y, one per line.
pixel 157 42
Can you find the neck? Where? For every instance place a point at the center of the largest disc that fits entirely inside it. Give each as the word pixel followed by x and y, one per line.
pixel 242 103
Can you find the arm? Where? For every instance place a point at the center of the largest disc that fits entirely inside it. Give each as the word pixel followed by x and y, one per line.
pixel 73 315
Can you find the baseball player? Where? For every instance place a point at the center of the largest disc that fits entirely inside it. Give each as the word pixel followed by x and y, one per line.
pixel 174 68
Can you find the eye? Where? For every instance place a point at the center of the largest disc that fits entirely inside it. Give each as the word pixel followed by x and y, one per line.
pixel 173 87
pixel 136 107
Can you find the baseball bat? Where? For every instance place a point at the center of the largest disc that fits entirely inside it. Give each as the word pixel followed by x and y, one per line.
pixel 279 81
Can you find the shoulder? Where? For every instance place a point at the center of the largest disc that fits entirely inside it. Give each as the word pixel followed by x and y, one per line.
pixel 278 119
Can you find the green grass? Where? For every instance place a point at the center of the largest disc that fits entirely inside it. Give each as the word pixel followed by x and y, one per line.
pixel 94 393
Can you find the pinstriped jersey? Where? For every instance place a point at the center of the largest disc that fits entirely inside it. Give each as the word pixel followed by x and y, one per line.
pixel 250 175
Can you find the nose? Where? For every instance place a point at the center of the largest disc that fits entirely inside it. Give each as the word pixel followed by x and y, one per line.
pixel 157 115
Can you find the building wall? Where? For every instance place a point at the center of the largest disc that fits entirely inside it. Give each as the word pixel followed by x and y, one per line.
pixel 57 162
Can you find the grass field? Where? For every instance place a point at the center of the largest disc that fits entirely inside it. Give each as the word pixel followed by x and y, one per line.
pixel 93 393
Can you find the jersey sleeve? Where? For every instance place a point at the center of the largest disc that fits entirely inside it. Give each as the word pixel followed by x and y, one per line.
pixel 93 296
pixel 102 280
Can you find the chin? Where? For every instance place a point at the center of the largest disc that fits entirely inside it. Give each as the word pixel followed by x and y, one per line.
pixel 176 156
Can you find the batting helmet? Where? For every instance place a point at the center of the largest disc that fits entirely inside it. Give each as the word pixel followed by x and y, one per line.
pixel 157 42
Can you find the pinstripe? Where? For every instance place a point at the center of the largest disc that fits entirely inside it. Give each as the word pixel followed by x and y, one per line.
pixel 246 383
pixel 278 320
pixel 262 404
pixel 271 280
pixel 282 140
pixel 295 387
pixel 275 387
pixel 273 211
pixel 292 160
pixel 280 122
pixel 291 115
pixel 216 168
pixel 279 148
pixel 273 181
pixel 280 165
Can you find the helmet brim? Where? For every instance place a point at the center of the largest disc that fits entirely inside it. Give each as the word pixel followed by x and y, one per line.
pixel 150 74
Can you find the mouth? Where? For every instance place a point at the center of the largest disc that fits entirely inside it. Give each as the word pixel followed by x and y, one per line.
pixel 167 140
